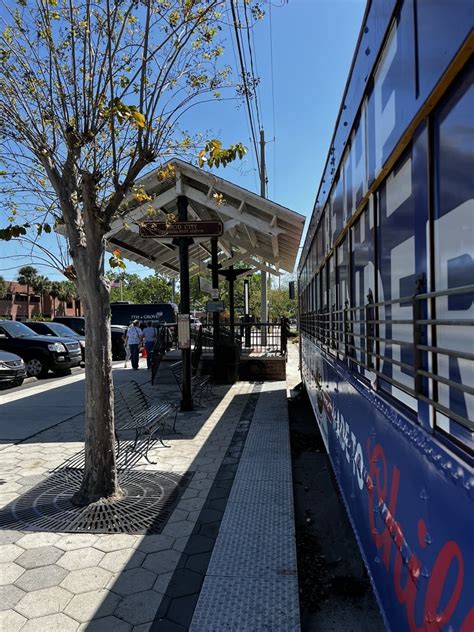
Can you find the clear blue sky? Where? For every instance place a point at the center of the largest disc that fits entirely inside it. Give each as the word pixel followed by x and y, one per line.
pixel 313 43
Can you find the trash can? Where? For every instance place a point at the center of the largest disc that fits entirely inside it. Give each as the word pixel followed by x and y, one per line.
pixel 226 362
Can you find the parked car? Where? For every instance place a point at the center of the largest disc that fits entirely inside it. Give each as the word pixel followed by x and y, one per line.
pixel 196 324
pixel 78 324
pixel 47 328
pixel 40 353
pixel 12 369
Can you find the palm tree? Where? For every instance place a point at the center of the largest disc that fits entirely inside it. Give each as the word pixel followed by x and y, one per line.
pixel 3 287
pixel 41 285
pixel 54 292
pixel 26 276
pixel 67 292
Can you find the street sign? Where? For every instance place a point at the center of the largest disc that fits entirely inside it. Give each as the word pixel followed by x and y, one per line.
pixel 215 293
pixel 200 228
pixel 215 306
pixel 205 285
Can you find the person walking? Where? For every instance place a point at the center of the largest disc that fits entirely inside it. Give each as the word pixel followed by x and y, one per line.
pixel 150 335
pixel 134 339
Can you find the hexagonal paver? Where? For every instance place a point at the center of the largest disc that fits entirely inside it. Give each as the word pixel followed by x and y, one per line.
pixel 182 608
pixel 52 623
pixel 80 558
pixel 106 624
pixel 184 582
pixel 11 621
pixel 33 540
pixel 162 582
pixel 155 543
pixel 9 553
pixel 9 596
pixel 86 580
pixel 118 561
pixel 162 562
pixel 73 541
pixel 41 556
pixel 43 577
pixel 178 529
pixel 40 603
pixel 8 537
pixel 115 542
pixel 9 572
pixel 132 581
pixel 139 608
pixel 92 605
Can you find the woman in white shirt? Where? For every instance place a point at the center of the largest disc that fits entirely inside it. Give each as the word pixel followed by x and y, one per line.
pixel 134 339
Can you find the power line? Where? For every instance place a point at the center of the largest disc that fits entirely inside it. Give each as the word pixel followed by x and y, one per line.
pixel 244 80
pixel 273 99
pixel 252 70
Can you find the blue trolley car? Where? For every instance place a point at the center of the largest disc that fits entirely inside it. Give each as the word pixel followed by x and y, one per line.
pixel 386 300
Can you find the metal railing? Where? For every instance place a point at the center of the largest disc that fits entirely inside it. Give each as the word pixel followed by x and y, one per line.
pixel 354 335
pixel 268 338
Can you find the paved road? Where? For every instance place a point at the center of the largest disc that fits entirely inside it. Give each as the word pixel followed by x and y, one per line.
pixel 41 404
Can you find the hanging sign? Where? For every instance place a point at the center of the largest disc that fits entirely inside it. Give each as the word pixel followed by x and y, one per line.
pixel 184 332
pixel 200 228
pixel 205 285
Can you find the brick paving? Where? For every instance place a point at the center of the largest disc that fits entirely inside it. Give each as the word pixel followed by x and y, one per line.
pixel 122 582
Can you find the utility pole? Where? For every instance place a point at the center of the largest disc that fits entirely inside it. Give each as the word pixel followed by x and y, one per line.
pixel 263 273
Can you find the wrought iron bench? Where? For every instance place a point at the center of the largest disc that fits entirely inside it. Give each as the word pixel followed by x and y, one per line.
pixel 135 411
pixel 198 382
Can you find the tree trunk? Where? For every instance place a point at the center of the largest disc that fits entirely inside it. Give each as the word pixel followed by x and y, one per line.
pixel 100 471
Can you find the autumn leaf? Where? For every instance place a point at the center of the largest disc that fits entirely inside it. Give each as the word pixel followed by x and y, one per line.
pixel 139 119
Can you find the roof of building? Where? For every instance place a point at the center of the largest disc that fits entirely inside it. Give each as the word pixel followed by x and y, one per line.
pixel 258 232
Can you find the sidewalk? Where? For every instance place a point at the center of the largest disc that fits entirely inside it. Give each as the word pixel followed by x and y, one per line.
pixel 225 558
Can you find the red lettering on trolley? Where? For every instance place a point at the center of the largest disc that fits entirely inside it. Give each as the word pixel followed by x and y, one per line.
pixel 407 592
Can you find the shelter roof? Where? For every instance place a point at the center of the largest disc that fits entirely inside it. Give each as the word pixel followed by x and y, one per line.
pixel 258 232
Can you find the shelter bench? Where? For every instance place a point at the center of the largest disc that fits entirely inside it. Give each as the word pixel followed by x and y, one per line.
pixel 198 382
pixel 135 411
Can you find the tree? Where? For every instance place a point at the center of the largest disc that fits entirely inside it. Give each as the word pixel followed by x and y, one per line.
pixel 151 289
pixel 3 287
pixel 26 276
pixel 280 304
pixel 67 293
pixel 41 285
pixel 91 96
pixel 54 292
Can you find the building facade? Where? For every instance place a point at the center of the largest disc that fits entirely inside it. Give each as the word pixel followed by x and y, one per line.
pixel 17 304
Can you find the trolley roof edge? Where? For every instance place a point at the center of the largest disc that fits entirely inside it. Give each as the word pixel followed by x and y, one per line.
pixel 377 25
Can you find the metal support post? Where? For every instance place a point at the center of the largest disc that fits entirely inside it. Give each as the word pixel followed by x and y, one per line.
pixel 247 312
pixel 231 279
pixel 215 286
pixel 263 274
pixel 185 306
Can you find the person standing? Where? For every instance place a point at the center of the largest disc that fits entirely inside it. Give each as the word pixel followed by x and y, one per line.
pixel 134 339
pixel 150 334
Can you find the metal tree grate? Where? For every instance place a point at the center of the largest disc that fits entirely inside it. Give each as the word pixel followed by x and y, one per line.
pixel 148 500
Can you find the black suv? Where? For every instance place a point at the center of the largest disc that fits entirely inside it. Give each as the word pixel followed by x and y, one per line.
pixel 40 353
pixel 117 332
pixel 58 330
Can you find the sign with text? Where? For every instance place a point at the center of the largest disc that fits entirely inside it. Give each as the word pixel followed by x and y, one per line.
pixel 205 285
pixel 184 332
pixel 199 228
pixel 215 306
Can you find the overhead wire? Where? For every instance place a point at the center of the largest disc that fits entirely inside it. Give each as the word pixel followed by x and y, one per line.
pixel 244 81
pixel 273 100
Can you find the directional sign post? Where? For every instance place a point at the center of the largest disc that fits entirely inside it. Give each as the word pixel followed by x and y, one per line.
pixel 165 230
